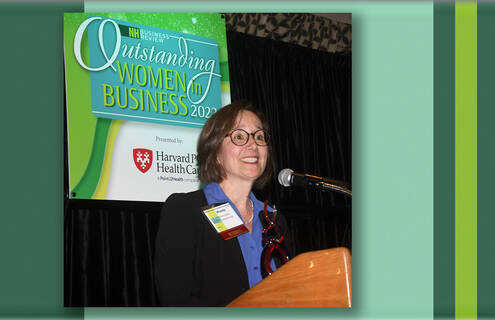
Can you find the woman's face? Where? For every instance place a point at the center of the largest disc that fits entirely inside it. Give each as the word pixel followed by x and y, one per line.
pixel 247 162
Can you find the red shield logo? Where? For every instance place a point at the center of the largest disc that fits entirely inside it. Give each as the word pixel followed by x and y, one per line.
pixel 142 159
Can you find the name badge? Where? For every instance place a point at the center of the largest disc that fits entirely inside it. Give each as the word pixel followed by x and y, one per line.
pixel 224 219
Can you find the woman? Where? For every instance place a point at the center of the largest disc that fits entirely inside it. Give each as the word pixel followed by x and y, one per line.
pixel 194 265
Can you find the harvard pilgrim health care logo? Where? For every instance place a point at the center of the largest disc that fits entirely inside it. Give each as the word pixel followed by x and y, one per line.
pixel 142 159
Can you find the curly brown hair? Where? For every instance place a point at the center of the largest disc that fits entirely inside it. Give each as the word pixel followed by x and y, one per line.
pixel 211 138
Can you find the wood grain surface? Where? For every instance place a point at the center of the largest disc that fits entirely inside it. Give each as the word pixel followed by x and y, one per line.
pixel 312 279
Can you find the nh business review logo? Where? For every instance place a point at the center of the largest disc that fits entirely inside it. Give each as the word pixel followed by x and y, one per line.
pixel 143 73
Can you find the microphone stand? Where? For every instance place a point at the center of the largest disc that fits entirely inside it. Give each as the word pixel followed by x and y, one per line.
pixel 274 243
pixel 327 186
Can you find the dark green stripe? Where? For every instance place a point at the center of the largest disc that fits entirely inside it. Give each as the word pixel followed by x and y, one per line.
pixel 31 219
pixel 486 159
pixel 443 160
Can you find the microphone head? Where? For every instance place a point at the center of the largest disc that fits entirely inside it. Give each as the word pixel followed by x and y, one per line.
pixel 284 177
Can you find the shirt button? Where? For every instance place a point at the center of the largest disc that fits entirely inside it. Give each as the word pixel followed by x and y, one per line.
pixel 255 268
pixel 251 247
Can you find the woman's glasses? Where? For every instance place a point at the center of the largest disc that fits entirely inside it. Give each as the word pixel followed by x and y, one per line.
pixel 240 137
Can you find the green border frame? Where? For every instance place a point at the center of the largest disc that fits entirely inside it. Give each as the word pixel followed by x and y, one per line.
pixel 444 164
pixel 486 159
pixel 31 235
pixel 31 221
pixel 466 159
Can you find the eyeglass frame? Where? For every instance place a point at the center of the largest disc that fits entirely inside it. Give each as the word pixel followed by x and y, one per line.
pixel 267 137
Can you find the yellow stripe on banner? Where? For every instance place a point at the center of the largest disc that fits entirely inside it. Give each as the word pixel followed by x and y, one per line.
pixel 225 86
pixel 101 189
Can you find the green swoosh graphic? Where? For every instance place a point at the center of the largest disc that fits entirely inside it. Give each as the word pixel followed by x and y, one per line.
pixel 224 71
pixel 87 185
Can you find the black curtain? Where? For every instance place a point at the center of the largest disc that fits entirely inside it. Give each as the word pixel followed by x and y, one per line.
pixel 109 247
pixel 306 95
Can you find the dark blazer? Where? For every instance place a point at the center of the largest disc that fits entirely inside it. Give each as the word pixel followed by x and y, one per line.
pixel 194 266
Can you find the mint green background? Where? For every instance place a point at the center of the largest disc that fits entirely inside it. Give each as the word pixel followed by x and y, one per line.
pixel 392 160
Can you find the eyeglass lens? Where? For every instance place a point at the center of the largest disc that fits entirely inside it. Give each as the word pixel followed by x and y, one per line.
pixel 240 137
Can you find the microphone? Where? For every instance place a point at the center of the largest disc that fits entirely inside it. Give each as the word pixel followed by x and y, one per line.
pixel 287 177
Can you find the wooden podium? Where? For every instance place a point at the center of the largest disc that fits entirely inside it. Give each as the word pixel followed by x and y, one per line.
pixel 312 279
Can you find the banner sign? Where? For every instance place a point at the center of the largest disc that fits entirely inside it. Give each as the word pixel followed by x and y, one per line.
pixel 143 73
pixel 139 88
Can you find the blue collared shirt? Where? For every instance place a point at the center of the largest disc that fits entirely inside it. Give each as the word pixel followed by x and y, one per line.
pixel 250 243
